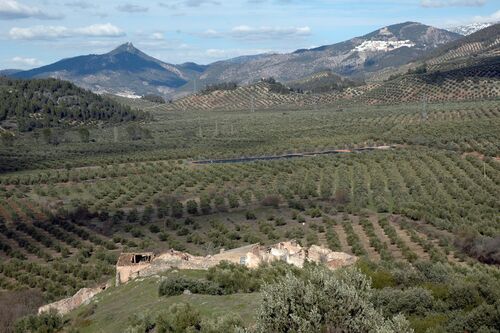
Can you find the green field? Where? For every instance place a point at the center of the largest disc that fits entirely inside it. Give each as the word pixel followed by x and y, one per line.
pixel 68 210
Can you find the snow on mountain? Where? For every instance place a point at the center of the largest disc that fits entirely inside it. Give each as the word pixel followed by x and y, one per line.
pixel 469 29
pixel 382 45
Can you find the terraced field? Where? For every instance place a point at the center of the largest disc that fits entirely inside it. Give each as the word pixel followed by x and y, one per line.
pixel 474 82
pixel 68 210
pixel 404 204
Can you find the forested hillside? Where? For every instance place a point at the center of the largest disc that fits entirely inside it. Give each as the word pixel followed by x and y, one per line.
pixel 49 102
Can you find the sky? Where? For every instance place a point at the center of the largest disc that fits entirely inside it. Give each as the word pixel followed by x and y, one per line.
pixel 36 33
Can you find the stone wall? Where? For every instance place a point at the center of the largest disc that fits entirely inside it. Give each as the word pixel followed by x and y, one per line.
pixel 83 296
pixel 251 256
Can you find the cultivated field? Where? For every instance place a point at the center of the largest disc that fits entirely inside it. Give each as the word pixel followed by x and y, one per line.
pixel 70 209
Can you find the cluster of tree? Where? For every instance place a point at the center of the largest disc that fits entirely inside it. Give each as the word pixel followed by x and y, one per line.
pixel 47 323
pixel 323 83
pixel 278 87
pixel 421 69
pixel 154 98
pixel 293 300
pixel 48 102
pixel 183 317
pixel 483 248
pixel 219 86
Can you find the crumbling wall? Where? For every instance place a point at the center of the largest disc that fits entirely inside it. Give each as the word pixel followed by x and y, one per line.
pixel 83 296
pixel 251 256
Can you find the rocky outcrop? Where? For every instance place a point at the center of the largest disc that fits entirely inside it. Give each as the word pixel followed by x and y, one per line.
pixel 83 296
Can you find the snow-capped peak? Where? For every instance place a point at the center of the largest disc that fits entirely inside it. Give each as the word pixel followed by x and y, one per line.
pixel 470 28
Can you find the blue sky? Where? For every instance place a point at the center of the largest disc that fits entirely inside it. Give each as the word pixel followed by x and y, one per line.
pixel 34 33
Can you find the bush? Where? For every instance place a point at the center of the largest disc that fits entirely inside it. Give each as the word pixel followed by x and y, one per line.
pixel 411 301
pixel 250 215
pixel 175 285
pixel 321 301
pixel 177 208
pixel 296 204
pixel 192 207
pixel 44 323
pixel 179 318
pixel 154 229
pixel 233 278
pixel 230 323
pixel 271 200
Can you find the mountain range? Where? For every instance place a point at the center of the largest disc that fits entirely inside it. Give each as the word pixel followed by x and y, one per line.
pixel 469 29
pixel 129 72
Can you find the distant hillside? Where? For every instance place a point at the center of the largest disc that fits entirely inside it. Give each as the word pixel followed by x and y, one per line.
pixel 466 51
pixel 50 102
pixel 476 82
pixel 124 71
pixel 390 46
pixel 261 96
pixel 9 72
pixel 323 82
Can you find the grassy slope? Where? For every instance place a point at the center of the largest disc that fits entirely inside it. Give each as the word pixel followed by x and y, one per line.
pixel 110 310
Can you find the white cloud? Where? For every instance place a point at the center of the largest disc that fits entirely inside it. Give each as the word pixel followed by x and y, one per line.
pixel 26 62
pixel 452 3
pixel 100 30
pixel 197 3
pixel 157 36
pixel 81 4
pixel 53 32
pixel 130 8
pixel 259 33
pixel 211 33
pixel 231 53
pixel 187 3
pixel 495 17
pixel 12 9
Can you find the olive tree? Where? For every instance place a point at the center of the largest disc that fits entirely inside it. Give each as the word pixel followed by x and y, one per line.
pixel 321 301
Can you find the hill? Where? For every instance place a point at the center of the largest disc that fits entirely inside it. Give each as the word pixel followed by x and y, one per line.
pixel 264 95
pixel 127 71
pixel 9 72
pixel 30 104
pixel 474 82
pixel 466 51
pixel 389 46
pixel 123 71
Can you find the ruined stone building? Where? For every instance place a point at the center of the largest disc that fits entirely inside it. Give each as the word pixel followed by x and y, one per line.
pixel 133 265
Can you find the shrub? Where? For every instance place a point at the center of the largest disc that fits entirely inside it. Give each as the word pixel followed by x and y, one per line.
pixel 177 208
pixel 230 323
pixel 154 229
pixel 46 323
pixel 296 204
pixel 232 278
pixel 192 207
pixel 250 215
pixel 271 200
pixel 179 318
pixel 411 301
pixel 321 301
pixel 175 285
